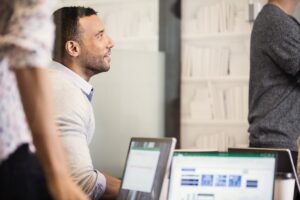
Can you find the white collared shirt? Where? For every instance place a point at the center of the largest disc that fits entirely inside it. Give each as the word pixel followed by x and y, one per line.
pixel 85 86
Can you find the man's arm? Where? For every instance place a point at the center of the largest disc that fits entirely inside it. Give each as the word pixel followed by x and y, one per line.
pixel 285 52
pixel 33 87
pixel 73 115
pixel 112 188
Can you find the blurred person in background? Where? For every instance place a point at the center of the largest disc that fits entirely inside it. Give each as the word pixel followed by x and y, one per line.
pixel 274 96
pixel 26 37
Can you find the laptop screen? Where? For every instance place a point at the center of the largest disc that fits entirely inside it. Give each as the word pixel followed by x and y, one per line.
pixel 222 176
pixel 284 162
pixel 146 165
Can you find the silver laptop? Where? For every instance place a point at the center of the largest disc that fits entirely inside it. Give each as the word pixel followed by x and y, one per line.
pixel 284 162
pixel 147 162
pixel 222 176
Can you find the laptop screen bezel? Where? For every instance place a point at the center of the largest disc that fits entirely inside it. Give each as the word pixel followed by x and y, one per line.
pixel 171 141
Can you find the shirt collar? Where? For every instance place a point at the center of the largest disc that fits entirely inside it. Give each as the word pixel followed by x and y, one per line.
pixel 85 87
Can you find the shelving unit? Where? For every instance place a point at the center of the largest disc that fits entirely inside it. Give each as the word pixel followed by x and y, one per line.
pixel 215 122
pixel 237 79
pixel 216 36
pixel 215 73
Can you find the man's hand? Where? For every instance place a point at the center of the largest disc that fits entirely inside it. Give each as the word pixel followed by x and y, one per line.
pixel 112 188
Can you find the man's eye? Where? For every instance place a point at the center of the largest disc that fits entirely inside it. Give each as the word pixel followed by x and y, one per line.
pixel 99 36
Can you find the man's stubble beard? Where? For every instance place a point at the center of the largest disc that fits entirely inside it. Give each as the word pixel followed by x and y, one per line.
pixel 93 65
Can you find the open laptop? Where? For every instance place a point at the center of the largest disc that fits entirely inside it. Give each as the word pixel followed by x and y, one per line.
pixel 284 162
pixel 147 162
pixel 222 176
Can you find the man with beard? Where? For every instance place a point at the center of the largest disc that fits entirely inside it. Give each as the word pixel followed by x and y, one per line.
pixel 82 49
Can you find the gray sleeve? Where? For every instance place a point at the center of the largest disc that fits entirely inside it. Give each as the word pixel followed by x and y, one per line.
pixel 285 52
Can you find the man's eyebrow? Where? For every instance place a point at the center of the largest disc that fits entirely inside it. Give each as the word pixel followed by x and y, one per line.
pixel 99 32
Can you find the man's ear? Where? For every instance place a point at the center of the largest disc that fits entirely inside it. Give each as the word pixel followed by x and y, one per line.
pixel 72 48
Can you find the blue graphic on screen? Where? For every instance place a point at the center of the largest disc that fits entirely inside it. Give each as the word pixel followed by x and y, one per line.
pixel 235 181
pixel 189 182
pixel 251 183
pixel 221 180
pixel 207 180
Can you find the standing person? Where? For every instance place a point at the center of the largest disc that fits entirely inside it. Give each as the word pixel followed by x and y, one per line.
pixel 274 97
pixel 26 36
pixel 82 50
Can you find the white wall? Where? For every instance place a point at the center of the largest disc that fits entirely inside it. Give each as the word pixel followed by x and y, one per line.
pixel 128 102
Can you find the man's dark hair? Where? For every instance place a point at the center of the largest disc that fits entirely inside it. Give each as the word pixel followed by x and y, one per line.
pixel 66 20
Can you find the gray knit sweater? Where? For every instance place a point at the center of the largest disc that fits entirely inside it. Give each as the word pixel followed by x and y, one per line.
pixel 274 93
